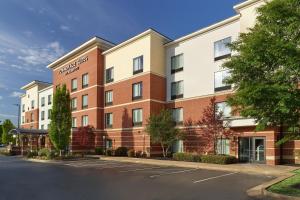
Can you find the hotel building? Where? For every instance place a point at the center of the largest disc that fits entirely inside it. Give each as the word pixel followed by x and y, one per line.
pixel 115 88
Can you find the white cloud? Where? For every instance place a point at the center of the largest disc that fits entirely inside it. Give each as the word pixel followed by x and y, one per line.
pixel 65 28
pixel 28 33
pixel 15 94
pixel 1 97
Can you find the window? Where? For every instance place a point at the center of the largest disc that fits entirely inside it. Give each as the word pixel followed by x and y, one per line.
pixel 109 75
pixel 223 146
pixel 23 108
pixel 43 101
pixel 31 117
pixel 178 115
pixel 74 122
pixel 85 120
pixel 49 99
pixel 138 65
pixel 42 127
pixel 84 101
pixel 23 119
pixel 73 84
pixel 177 90
pixel 137 91
pixel 42 115
pixel 222 49
pixel 108 98
pixel 49 113
pixel 137 117
pixel 178 147
pixel 32 104
pixel 108 144
pixel 220 78
pixel 85 80
pixel 74 104
pixel 108 120
pixel 223 108
pixel 176 63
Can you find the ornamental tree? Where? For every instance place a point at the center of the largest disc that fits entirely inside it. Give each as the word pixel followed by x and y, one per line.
pixel 162 130
pixel 6 127
pixel 266 69
pixel 61 120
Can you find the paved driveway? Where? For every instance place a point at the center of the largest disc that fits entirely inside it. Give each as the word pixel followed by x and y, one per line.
pixel 97 179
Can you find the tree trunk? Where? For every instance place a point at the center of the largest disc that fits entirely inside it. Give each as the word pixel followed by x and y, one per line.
pixel 163 149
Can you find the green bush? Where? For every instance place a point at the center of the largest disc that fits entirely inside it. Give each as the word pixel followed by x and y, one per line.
pixel 32 154
pixel 44 152
pixel 121 151
pixel 99 151
pixel 218 159
pixel 131 153
pixel 189 157
pixel 109 152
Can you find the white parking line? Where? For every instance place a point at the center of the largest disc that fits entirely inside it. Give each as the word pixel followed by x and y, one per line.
pixel 175 172
pixel 215 177
pixel 87 164
pixel 118 166
pixel 140 169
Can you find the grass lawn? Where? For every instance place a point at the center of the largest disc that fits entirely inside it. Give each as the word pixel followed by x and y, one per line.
pixel 290 186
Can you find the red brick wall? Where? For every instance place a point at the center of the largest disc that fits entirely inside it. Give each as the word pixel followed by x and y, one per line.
pixel 28 123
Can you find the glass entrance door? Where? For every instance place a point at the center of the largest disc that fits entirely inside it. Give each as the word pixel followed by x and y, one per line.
pixel 252 149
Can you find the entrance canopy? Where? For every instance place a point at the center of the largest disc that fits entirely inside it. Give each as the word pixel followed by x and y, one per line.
pixel 24 131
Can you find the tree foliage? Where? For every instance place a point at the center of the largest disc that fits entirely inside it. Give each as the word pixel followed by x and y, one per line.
pixel 266 68
pixel 162 130
pixel 6 127
pixel 61 119
pixel 212 124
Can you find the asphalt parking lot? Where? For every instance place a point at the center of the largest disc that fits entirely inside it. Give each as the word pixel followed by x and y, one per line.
pixel 98 179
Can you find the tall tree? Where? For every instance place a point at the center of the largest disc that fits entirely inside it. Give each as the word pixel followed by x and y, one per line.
pixel 6 127
pixel 212 125
pixel 61 119
pixel 162 130
pixel 266 68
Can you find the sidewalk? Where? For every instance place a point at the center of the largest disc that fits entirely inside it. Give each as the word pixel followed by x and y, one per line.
pixel 278 170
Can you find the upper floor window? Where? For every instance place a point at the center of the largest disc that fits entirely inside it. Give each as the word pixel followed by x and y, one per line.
pixel 176 63
pixel 109 75
pixel 224 108
pixel 49 99
pixel 108 97
pixel 74 122
pixel 137 117
pixel 108 120
pixel 222 50
pixel 177 114
pixel 23 108
pixel 42 115
pixel 137 91
pixel 85 120
pixel 84 101
pixel 73 84
pixel 85 80
pixel 43 101
pixel 49 113
pixel 74 104
pixel 138 65
pixel 32 104
pixel 177 90
pixel 220 78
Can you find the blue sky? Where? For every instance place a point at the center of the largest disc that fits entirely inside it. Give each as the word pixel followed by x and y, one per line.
pixel 35 32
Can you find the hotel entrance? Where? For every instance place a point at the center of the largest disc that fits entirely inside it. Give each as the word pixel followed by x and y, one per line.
pixel 252 149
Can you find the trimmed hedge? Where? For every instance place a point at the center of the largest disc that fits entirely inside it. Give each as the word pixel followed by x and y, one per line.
pixel 121 151
pixel 214 159
pixel 99 151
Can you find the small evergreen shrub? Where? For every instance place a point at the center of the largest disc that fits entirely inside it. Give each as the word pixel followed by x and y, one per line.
pixel 131 153
pixel 121 151
pixel 189 157
pixel 32 154
pixel 109 152
pixel 140 154
pixel 99 151
pixel 218 159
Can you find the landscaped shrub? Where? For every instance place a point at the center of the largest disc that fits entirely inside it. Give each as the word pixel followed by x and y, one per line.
pixel 218 159
pixel 32 154
pixel 189 157
pixel 99 151
pixel 121 151
pixel 140 154
pixel 131 153
pixel 44 152
pixel 109 152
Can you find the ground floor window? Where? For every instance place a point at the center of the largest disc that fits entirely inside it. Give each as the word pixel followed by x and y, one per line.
pixel 178 146
pixel 108 144
pixel 223 146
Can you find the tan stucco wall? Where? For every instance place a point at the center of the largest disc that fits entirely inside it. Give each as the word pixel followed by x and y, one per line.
pixel 157 61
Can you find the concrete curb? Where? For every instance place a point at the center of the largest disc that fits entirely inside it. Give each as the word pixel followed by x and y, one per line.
pixel 54 161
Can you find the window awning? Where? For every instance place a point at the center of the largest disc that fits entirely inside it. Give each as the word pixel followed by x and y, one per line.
pixel 19 131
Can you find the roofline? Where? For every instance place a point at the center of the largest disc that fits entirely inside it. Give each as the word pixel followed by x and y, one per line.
pixel 204 30
pixel 47 88
pixel 134 38
pixel 35 82
pixel 245 4
pixel 79 48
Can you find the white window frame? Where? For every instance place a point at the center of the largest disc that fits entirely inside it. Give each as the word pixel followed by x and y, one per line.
pixel 137 117
pixel 221 50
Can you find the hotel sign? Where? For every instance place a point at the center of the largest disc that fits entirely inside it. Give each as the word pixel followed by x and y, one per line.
pixel 73 66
